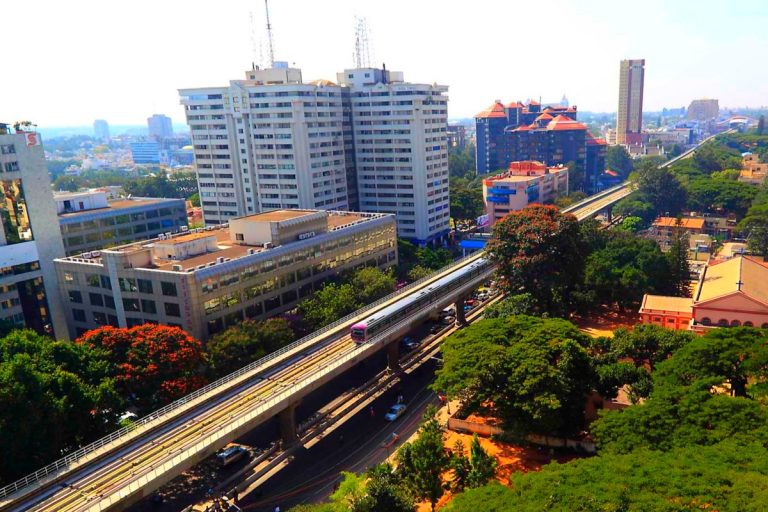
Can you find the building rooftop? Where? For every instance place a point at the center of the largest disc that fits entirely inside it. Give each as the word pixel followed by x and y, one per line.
pixel 117 204
pixel 495 110
pixel 684 222
pixel 525 171
pixel 225 247
pixel 744 274
pixel 562 122
pixel 278 215
pixel 664 303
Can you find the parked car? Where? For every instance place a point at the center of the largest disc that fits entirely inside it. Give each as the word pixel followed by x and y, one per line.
pixel 395 412
pixel 410 343
pixel 231 453
pixel 435 329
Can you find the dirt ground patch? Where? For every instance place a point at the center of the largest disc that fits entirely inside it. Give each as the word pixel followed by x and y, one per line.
pixel 604 321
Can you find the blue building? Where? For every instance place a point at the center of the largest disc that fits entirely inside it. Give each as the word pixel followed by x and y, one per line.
pixel 549 134
pixel 145 152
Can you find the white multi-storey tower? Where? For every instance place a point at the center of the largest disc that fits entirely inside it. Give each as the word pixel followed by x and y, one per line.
pixel 401 151
pixel 267 142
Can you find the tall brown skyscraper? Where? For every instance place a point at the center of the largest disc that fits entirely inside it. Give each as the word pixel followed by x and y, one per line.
pixel 629 121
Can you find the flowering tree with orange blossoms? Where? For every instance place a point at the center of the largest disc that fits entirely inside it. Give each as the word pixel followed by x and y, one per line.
pixel 539 251
pixel 152 364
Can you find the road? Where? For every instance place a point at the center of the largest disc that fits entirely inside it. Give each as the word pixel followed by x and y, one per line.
pixel 360 443
pixel 139 466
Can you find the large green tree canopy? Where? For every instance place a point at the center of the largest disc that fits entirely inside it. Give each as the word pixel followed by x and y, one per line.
pixel 538 250
pixel 535 372
pixel 54 396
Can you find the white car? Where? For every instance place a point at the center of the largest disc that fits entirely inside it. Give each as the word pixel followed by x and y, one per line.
pixel 395 412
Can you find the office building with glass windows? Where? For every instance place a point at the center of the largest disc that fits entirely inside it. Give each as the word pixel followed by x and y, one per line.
pixel 29 236
pixel 90 221
pixel 208 279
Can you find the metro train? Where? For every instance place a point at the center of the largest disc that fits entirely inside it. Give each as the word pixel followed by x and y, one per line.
pixel 366 329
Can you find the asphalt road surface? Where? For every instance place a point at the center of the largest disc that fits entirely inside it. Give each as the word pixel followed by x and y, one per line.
pixel 361 442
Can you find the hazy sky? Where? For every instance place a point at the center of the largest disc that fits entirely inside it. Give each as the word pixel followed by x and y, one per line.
pixel 69 62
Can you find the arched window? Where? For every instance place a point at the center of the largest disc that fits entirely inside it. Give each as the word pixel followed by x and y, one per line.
pixel 706 321
pixel 735 323
pixel 748 324
pixel 722 322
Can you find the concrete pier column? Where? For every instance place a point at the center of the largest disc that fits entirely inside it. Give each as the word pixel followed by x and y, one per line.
pixel 287 419
pixel 393 355
pixel 461 318
pixel 609 214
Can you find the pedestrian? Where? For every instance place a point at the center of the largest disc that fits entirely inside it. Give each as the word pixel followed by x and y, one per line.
pixel 341 439
pixel 371 412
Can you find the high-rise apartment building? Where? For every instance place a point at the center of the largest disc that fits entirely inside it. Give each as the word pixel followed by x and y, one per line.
pixel 29 236
pixel 268 142
pixel 371 142
pixel 401 150
pixel 101 130
pixel 629 119
pixel 703 110
pixel 160 127
pixel 531 132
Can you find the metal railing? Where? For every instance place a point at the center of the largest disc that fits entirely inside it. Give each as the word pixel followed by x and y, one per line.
pixel 274 402
pixel 65 462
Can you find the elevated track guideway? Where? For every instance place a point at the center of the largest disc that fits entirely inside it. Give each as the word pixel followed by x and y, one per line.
pixel 122 468
pixel 121 472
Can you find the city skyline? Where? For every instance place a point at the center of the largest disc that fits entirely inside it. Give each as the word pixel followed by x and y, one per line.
pixel 692 50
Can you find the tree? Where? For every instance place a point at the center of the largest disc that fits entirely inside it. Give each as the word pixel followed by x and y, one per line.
pixel 679 269
pixel 709 194
pixel 535 372
pixel 572 198
pixel 482 465
pixel 460 465
pixel 755 226
pixel 661 188
pixel 635 205
pixel 246 342
pixel 617 159
pixel 54 396
pixel 418 272
pixel 732 356
pixel 632 224
pixel 625 269
pixel 538 251
pixel 411 257
pixel 330 303
pixel 461 163
pixel 647 345
pixel 521 304
pixel 151 364
pixel 728 477
pixel 371 284
pixel 466 203
pixel 195 199
pixel 422 462
pixel 386 491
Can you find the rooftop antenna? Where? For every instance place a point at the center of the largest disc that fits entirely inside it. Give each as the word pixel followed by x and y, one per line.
pixel 257 53
pixel 362 44
pixel 269 37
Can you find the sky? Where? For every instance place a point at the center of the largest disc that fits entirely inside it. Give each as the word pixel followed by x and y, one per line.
pixel 68 63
